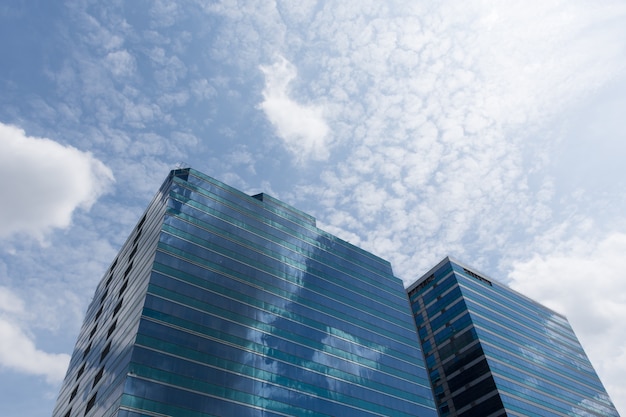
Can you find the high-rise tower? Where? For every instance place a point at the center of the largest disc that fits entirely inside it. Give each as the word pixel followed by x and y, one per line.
pixel 223 304
pixel 491 351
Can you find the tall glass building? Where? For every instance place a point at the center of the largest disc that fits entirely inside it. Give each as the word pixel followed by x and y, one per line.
pixel 491 351
pixel 223 304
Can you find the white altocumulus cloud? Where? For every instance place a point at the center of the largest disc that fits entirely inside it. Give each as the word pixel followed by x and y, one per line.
pixel 44 182
pixel 437 116
pixel 9 302
pixel 301 126
pixel 583 278
pixel 17 348
pixel 120 63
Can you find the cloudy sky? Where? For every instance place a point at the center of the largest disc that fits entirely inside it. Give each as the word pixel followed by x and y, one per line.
pixel 490 131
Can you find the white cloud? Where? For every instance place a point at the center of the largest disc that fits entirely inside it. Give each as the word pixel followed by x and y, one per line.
pixel 202 89
pixel 302 127
pixel 169 69
pixel 120 63
pixel 9 302
pixel 18 350
pixel 44 182
pixel 164 13
pixel 583 278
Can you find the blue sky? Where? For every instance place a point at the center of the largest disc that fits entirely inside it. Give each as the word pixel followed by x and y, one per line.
pixel 490 131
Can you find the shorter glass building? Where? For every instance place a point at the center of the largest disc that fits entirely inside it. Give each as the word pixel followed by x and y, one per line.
pixel 491 351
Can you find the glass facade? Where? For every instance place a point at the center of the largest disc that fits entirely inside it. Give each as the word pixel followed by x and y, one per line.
pixel 224 304
pixel 491 351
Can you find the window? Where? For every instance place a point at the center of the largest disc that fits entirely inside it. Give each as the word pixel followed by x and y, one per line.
pixel 141 222
pixel 132 254
pixel 136 239
pixel 105 352
pixel 80 372
pixel 98 377
pixel 68 413
pixel 109 279
pixel 99 313
pixel 111 329
pixel 73 394
pixel 130 266
pixel 93 331
pixel 118 307
pixel 124 285
pixel 87 351
pixel 91 403
pixel 113 265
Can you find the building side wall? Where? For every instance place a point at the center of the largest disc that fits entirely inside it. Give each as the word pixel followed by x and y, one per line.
pixel 460 377
pixel 538 364
pixel 96 374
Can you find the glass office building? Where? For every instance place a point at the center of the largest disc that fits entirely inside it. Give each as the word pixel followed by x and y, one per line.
pixel 224 304
pixel 491 351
